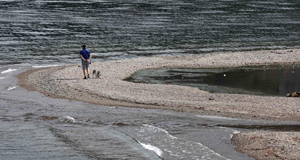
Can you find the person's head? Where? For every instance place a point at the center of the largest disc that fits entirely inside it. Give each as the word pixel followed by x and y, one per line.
pixel 83 46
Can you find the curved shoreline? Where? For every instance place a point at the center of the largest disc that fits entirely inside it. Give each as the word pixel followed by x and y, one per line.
pixel 110 89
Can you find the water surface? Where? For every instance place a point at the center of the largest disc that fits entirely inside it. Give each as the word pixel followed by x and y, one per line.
pixel 258 80
pixel 51 32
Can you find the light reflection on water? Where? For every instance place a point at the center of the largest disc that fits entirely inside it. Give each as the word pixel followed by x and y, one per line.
pixel 47 32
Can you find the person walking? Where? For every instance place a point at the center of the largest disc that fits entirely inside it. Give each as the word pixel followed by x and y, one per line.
pixel 85 56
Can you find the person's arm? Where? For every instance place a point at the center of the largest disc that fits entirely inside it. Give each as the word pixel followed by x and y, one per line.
pixel 82 57
pixel 89 57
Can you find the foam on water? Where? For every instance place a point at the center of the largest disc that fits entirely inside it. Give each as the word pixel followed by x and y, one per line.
pixel 160 130
pixel 67 119
pixel 12 88
pixel 234 132
pixel 156 150
pixel 9 70
pixel 216 117
pixel 45 66
pixel 174 146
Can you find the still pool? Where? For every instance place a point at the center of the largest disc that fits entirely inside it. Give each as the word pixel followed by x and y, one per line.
pixel 270 80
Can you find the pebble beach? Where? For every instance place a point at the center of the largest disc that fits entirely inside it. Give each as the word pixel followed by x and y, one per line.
pixel 111 89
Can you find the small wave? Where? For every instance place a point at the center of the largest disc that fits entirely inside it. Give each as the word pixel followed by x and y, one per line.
pixel 149 147
pixel 11 88
pixel 159 129
pixel 8 70
pixel 45 66
pixel 234 132
pixel 67 119
pixel 216 117
pixel 2 78
pixel 195 148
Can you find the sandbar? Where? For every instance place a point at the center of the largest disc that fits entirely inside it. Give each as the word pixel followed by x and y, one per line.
pixel 111 89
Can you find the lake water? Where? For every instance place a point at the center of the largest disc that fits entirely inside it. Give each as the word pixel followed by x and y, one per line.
pixel 266 80
pixel 40 33
pixel 43 32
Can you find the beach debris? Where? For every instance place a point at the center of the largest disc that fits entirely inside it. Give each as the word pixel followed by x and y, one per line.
pixel 294 94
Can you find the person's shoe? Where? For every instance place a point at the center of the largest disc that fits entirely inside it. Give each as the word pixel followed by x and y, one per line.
pixel 88 76
pixel 84 77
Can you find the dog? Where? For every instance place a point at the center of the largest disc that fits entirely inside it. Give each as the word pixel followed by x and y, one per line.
pixel 94 73
pixel 98 74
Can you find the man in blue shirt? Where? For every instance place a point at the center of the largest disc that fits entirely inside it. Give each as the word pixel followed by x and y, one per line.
pixel 85 56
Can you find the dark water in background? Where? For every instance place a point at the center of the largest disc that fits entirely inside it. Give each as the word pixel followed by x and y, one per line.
pixel 36 33
pixel 51 32
pixel 264 80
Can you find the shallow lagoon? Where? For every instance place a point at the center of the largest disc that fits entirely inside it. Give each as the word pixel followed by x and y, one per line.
pixel 272 80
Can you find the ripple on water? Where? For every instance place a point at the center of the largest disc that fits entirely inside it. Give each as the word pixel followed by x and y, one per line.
pixel 142 29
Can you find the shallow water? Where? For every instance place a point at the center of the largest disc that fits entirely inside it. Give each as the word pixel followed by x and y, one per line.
pixel 258 80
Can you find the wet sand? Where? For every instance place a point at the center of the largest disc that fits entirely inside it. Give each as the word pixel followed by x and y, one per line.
pixel 110 89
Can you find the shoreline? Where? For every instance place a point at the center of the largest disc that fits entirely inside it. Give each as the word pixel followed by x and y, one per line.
pixel 110 89
pixel 66 82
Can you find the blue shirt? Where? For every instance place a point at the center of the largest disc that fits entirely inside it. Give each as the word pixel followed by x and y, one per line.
pixel 85 54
